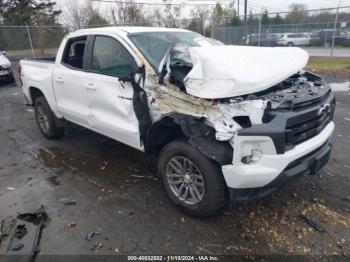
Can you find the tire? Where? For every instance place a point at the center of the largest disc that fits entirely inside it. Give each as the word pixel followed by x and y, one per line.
pixel 210 198
pixel 290 44
pixel 46 119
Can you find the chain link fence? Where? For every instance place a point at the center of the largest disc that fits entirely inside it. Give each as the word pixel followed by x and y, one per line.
pixel 315 30
pixel 237 35
pixel 28 41
pixel 319 31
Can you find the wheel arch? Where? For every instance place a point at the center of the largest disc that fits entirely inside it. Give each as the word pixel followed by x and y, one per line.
pixel 34 93
pixel 192 129
pixel 35 89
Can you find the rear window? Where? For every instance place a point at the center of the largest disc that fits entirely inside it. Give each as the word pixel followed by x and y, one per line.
pixel 74 52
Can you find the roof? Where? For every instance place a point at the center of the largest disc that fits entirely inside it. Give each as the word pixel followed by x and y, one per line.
pixel 139 29
pixel 127 29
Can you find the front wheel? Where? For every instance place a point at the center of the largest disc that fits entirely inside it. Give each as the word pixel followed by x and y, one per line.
pixel 46 119
pixel 290 44
pixel 193 182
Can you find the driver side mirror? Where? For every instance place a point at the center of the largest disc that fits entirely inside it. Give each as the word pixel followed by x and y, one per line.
pixel 137 76
pixel 126 78
pixel 4 53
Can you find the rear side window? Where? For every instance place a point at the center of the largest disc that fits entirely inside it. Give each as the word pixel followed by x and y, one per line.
pixel 111 58
pixel 74 52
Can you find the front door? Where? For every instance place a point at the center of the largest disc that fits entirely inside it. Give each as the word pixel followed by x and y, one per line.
pixel 110 104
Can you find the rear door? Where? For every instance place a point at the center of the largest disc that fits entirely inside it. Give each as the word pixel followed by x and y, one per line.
pixel 68 81
pixel 110 104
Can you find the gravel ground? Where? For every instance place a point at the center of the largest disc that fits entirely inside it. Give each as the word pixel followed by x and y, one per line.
pixel 116 192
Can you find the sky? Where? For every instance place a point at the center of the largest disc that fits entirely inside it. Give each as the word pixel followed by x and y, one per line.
pixel 254 5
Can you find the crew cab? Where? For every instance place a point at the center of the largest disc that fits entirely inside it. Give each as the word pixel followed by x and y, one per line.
pixel 226 122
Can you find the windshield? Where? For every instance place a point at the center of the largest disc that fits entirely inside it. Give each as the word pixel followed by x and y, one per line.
pixel 154 45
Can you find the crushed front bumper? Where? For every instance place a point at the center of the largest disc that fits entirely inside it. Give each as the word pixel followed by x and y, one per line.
pixel 252 181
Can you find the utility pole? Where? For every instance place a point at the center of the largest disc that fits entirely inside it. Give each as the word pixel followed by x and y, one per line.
pixel 261 13
pixel 237 7
pixel 335 28
pixel 245 18
pixel 30 40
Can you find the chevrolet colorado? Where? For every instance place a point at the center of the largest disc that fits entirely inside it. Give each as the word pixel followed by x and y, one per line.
pixel 227 122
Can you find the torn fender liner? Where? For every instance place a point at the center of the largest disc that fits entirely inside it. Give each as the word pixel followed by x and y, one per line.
pixel 228 71
pixel 202 137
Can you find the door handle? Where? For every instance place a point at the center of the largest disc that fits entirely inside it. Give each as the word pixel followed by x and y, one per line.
pixel 90 86
pixel 59 80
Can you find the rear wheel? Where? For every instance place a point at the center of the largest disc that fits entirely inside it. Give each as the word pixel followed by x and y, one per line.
pixel 193 182
pixel 46 119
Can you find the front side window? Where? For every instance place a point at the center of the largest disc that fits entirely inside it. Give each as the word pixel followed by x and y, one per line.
pixel 111 58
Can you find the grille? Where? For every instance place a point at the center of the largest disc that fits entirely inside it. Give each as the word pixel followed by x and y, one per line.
pixel 308 125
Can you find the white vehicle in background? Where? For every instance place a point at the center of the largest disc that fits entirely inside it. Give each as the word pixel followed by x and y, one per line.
pixel 227 122
pixel 6 73
pixel 294 39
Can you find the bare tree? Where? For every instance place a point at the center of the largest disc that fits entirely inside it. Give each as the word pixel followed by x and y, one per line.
pixel 81 15
pixel 297 14
pixel 199 21
pixel 128 13
pixel 157 17
pixel 174 14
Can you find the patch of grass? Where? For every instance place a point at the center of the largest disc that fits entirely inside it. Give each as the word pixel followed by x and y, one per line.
pixel 339 66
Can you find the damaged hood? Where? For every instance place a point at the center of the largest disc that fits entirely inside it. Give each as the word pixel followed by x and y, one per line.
pixel 227 71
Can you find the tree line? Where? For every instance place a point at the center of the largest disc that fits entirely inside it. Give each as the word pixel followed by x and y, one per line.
pixel 47 23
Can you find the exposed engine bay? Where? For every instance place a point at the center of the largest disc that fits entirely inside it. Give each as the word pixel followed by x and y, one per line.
pixel 230 116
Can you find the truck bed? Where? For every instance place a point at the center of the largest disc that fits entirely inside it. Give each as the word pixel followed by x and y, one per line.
pixel 49 58
pixel 37 73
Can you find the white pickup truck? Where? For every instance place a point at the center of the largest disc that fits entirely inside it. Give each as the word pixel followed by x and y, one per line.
pixel 227 122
